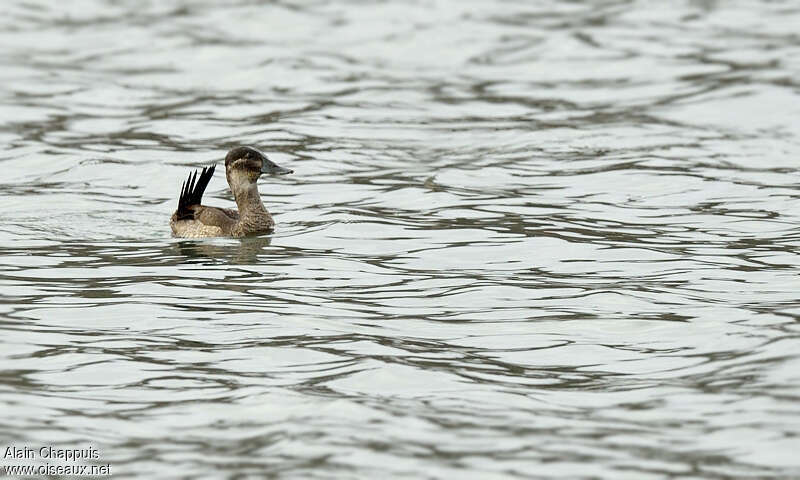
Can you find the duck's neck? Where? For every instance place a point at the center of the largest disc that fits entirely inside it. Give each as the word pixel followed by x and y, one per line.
pixel 253 217
pixel 248 200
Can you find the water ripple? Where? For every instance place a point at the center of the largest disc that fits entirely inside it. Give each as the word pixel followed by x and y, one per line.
pixel 523 240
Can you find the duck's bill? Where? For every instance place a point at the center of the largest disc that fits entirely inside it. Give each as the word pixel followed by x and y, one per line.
pixel 271 168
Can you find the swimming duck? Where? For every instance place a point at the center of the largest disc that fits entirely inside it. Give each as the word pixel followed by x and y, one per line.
pixel 243 166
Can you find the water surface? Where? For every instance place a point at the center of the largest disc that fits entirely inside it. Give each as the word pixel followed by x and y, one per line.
pixel 523 239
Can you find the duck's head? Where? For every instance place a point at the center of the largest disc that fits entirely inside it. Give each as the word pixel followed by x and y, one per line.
pixel 243 166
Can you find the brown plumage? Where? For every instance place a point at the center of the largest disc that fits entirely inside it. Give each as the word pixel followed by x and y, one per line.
pixel 243 166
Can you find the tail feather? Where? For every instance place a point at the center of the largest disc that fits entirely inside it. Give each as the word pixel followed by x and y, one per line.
pixel 192 192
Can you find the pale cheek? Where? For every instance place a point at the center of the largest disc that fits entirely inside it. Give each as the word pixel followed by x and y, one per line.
pixel 240 182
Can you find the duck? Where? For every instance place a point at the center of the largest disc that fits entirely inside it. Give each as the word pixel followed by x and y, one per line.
pixel 243 167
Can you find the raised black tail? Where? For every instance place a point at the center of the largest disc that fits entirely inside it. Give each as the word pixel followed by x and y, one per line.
pixel 192 193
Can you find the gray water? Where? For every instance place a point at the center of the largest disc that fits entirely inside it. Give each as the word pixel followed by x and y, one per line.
pixel 523 239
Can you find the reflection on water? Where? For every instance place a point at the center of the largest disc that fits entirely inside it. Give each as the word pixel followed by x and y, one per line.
pixel 523 239
pixel 239 251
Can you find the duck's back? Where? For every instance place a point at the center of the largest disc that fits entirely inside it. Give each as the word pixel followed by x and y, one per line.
pixel 205 222
pixel 193 220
